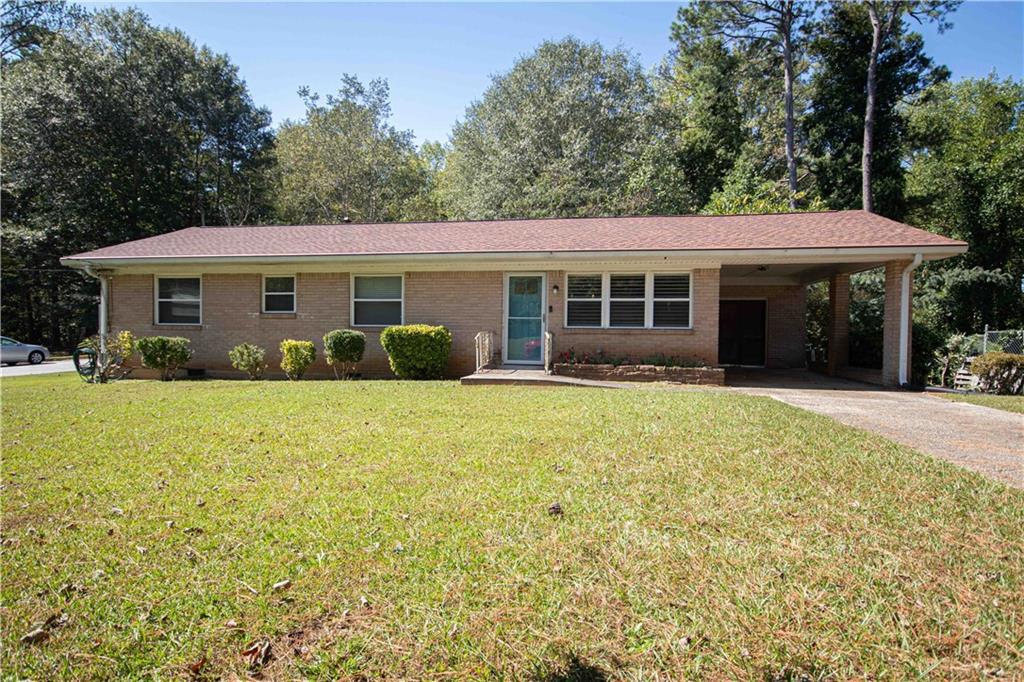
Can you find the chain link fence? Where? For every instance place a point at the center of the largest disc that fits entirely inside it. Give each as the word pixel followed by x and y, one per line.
pixel 998 341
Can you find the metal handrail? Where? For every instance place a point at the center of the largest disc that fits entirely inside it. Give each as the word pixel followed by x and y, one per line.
pixel 484 354
pixel 549 342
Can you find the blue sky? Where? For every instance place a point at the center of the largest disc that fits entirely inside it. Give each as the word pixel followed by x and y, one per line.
pixel 438 58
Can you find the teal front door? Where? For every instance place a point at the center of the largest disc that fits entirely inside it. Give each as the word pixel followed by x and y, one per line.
pixel 524 319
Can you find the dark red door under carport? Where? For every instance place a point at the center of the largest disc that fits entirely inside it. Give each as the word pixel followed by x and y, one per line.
pixel 741 332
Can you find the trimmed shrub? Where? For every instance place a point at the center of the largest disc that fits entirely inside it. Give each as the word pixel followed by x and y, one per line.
pixel 99 368
pixel 417 351
pixel 248 358
pixel 1001 373
pixel 165 353
pixel 296 357
pixel 344 347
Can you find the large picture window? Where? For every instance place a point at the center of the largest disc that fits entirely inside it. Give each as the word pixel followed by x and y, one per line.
pixel 179 300
pixel 376 300
pixel 279 294
pixel 629 300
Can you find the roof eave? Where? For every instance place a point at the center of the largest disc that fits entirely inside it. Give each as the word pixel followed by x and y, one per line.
pixel 929 252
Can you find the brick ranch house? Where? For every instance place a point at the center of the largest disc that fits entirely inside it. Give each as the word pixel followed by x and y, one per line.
pixel 722 290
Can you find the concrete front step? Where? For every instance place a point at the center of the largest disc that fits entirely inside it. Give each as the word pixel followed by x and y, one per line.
pixel 530 377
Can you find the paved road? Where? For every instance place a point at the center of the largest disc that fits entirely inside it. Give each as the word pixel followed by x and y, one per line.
pixel 48 367
pixel 986 440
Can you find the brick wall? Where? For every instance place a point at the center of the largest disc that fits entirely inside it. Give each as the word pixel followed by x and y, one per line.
pixel 891 324
pixel 786 321
pixel 838 323
pixel 465 302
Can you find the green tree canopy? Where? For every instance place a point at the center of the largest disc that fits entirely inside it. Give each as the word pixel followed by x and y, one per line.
pixel 554 136
pixel 966 180
pixel 116 130
pixel 835 124
pixel 696 129
pixel 26 24
pixel 345 160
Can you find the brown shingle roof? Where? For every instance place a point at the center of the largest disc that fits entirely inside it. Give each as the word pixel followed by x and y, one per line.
pixel 839 229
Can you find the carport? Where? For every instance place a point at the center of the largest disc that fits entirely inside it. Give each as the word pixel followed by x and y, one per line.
pixel 762 313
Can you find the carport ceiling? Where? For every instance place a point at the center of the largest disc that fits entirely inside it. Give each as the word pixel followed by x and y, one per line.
pixel 788 273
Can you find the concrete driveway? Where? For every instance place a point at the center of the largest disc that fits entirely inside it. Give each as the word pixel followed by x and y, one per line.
pixel 48 367
pixel 985 440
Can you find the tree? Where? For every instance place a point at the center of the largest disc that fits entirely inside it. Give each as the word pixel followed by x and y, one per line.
pixel 344 160
pixel 25 24
pixel 116 130
pixel 746 190
pixel 834 126
pixel 769 30
pixel 886 17
pixel 554 136
pixel 696 126
pixel 966 180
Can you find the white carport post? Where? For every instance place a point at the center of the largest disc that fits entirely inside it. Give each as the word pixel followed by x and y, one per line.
pixel 905 318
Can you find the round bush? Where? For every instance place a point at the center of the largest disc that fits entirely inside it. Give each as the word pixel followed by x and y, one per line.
pixel 296 357
pixel 417 351
pixel 344 347
pixel 165 353
pixel 248 358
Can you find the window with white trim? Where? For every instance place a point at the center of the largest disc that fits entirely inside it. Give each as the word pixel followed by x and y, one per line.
pixel 279 293
pixel 179 300
pixel 671 307
pixel 583 301
pixel 629 300
pixel 626 300
pixel 376 300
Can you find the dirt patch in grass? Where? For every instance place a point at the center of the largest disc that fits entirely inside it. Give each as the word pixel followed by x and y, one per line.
pixel 703 534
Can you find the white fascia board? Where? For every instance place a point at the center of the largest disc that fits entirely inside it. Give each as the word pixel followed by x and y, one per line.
pixel 548 259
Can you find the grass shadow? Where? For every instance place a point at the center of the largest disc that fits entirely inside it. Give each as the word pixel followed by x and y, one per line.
pixel 575 670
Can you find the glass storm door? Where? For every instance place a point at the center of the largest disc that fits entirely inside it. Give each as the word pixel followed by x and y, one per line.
pixel 524 335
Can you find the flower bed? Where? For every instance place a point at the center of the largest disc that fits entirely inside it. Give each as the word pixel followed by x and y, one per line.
pixel 608 372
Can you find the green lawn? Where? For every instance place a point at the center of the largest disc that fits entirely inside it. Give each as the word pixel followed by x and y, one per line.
pixel 704 534
pixel 1009 403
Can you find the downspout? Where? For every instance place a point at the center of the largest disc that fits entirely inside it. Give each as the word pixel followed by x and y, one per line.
pixel 905 315
pixel 104 294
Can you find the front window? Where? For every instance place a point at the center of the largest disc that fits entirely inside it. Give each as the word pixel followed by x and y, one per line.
pixel 179 300
pixel 279 294
pixel 583 301
pixel 376 300
pixel 626 300
pixel 643 300
pixel 671 301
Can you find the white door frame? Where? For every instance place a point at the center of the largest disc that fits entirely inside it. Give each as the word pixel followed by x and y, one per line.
pixel 504 315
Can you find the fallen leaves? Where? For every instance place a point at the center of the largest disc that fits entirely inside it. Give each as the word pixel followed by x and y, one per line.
pixel 281 585
pixel 196 668
pixel 40 632
pixel 258 654
pixel 555 509
pixel 35 636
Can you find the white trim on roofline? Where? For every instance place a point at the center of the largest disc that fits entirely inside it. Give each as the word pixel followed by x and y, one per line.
pixel 549 259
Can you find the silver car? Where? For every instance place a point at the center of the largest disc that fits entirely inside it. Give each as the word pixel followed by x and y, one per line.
pixel 12 352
